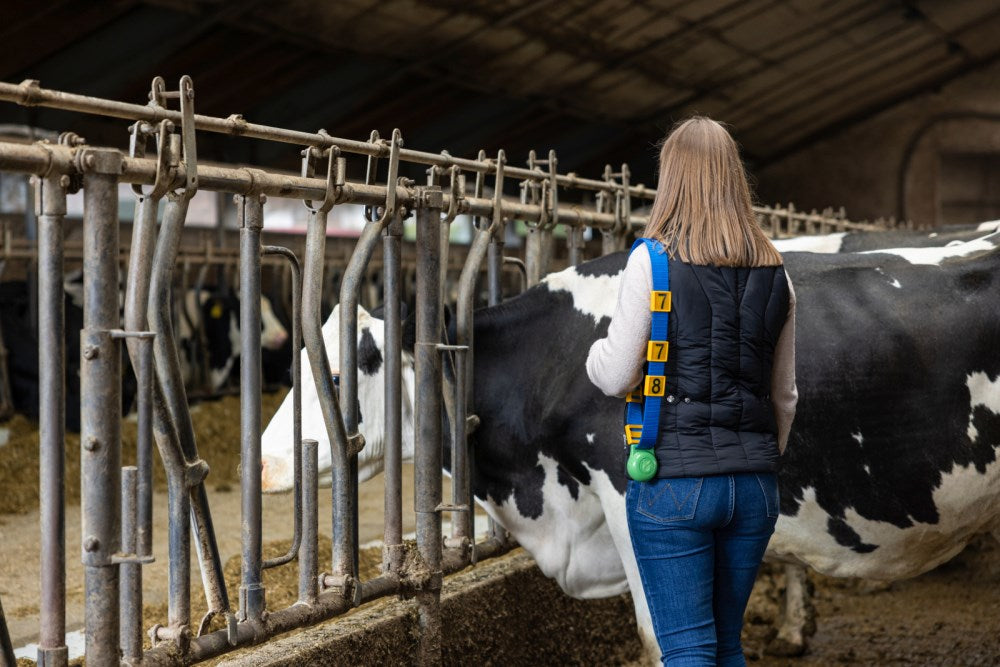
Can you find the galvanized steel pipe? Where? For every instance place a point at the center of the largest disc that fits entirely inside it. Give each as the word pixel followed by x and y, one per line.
pixel 251 215
pixel 52 651
pixel 427 459
pixel 100 407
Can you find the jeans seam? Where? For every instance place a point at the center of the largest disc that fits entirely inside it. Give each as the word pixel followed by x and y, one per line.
pixel 767 501
pixel 732 500
pixel 642 577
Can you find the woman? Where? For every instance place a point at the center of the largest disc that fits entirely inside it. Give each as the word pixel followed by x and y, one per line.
pixel 700 526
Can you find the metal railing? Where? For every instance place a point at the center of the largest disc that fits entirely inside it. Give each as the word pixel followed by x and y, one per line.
pixel 116 504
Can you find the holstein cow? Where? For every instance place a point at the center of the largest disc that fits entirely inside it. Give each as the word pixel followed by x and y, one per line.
pixel 219 315
pixel 22 348
pixel 869 241
pixel 891 466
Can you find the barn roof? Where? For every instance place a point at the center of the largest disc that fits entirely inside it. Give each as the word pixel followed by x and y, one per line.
pixel 599 80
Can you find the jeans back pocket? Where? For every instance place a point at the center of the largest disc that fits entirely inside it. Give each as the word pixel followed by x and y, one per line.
pixel 769 486
pixel 670 499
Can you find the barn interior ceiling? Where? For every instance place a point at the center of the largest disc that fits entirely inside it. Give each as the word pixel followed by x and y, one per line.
pixel 598 80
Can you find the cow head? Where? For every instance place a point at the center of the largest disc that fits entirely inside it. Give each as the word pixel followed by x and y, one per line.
pixel 277 445
pixel 272 332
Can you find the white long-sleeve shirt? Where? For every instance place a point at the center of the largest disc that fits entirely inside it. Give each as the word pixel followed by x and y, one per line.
pixel 615 363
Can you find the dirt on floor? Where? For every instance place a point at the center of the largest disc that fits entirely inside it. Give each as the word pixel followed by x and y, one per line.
pixel 950 616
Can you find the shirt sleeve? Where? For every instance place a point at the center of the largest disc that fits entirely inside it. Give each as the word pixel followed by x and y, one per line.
pixel 615 362
pixel 784 393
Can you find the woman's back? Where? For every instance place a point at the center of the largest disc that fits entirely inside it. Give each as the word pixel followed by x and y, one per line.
pixel 710 318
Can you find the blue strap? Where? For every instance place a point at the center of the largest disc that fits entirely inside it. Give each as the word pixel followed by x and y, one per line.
pixel 647 413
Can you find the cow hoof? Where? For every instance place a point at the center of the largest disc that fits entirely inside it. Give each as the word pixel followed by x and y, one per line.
pixel 784 647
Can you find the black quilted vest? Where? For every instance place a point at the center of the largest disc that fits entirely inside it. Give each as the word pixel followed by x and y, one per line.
pixel 716 416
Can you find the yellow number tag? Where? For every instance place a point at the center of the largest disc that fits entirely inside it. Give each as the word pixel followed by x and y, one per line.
pixel 634 396
pixel 657 350
pixel 659 301
pixel 655 385
pixel 632 433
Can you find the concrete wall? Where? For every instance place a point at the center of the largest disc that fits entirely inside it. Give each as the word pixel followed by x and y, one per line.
pixel 501 612
pixel 860 167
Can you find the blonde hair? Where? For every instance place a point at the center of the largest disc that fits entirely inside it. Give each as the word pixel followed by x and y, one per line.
pixel 702 210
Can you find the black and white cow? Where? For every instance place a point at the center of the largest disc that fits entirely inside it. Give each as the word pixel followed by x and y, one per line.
pixel 22 350
pixel 892 463
pixel 218 313
pixel 871 241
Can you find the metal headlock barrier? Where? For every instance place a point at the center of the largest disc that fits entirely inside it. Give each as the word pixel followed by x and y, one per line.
pixel 117 502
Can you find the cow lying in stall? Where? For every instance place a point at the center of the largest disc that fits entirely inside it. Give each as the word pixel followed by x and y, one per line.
pixel 891 468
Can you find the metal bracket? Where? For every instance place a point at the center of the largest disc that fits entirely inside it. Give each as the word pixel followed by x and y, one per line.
pixel 188 149
pixel 139 134
pixel 355 443
pixel 180 635
pixel 371 173
pixel 98 161
pixel 447 507
pixel 496 218
pixel 336 170
pixel 456 195
pixel 471 424
pixel 344 584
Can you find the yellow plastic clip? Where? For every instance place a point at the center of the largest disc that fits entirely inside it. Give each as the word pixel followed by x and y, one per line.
pixel 655 385
pixel 633 432
pixel 659 301
pixel 634 396
pixel 657 350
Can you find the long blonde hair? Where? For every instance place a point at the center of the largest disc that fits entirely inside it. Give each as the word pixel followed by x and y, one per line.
pixel 702 210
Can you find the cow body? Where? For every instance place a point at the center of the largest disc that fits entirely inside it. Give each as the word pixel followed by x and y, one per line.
pixel 890 469
pixel 22 351
pixel 871 241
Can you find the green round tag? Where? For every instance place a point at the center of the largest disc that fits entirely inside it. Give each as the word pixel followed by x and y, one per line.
pixel 641 465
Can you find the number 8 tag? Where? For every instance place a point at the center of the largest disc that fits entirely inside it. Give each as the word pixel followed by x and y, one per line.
pixel 655 385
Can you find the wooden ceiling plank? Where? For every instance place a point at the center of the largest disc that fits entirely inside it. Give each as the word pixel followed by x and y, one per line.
pixel 835 81
pixel 876 107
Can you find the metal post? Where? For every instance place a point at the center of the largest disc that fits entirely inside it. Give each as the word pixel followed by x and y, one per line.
pixel 319 362
pixel 461 487
pixel 100 406
pixel 144 451
pixel 350 291
pixel 6 649
pixel 130 607
pixel 308 548
pixel 392 555
pixel 494 267
pixel 251 210
pixel 574 240
pixel 52 651
pixel 296 289
pixel 427 473
pixel 175 431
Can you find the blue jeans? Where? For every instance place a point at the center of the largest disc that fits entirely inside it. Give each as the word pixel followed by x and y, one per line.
pixel 699 542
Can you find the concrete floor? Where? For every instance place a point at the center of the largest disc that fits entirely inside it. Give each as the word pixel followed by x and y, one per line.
pixel 19 549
